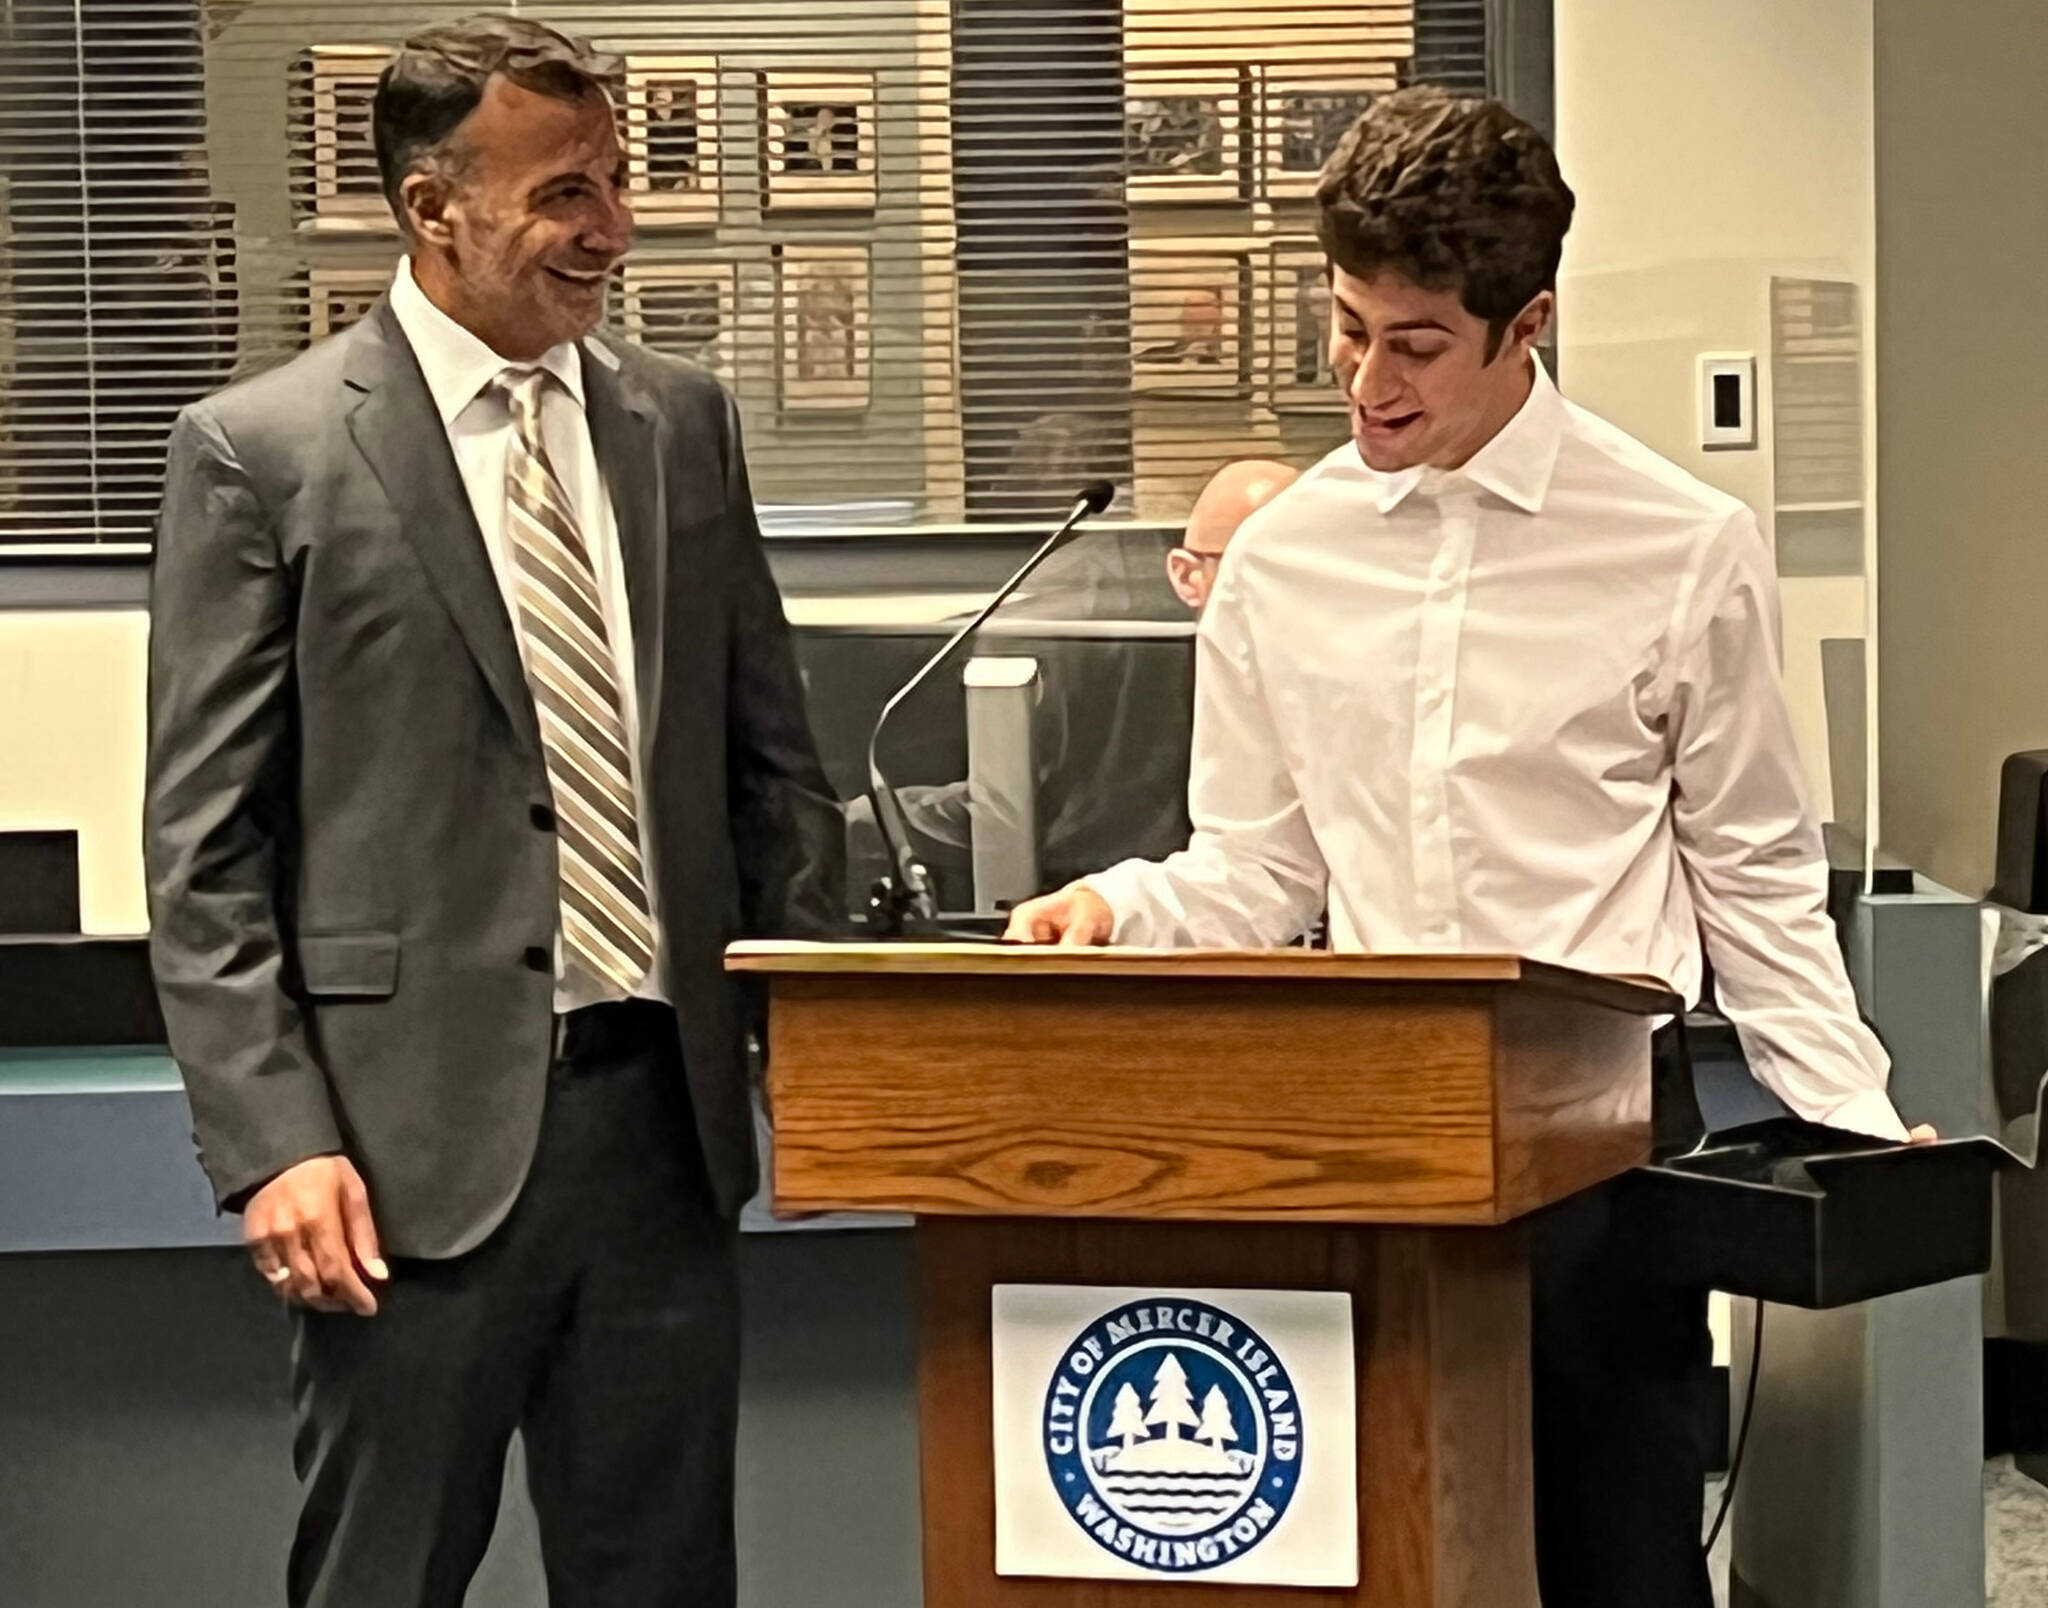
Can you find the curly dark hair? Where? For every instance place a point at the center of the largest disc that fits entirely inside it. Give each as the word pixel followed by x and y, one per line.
pixel 440 76
pixel 1453 192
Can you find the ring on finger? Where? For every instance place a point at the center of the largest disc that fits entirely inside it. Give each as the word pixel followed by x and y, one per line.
pixel 275 1275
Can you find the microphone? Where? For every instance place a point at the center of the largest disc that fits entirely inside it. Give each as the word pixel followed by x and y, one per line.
pixel 905 899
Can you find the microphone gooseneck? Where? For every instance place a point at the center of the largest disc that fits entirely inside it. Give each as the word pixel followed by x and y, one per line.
pixel 905 897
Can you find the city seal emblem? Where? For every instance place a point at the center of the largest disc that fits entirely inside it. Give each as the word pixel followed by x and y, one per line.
pixel 1173 1434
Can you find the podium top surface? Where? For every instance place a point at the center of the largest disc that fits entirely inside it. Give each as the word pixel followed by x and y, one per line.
pixel 1638 996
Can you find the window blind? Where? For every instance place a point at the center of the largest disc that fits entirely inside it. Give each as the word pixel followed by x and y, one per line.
pixel 953 257
pixel 1817 378
pixel 1817 385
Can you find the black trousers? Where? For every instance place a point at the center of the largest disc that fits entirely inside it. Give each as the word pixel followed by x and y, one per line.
pixel 601 1319
pixel 1620 1375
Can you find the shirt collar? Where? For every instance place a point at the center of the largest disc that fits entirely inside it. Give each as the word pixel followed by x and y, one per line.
pixel 457 364
pixel 1515 465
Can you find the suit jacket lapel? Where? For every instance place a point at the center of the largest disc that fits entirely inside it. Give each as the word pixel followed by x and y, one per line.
pixel 399 432
pixel 625 435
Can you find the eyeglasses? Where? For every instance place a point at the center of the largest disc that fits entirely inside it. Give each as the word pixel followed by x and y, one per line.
pixel 1205 559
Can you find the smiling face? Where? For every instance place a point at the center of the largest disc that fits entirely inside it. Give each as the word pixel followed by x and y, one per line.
pixel 1424 388
pixel 518 228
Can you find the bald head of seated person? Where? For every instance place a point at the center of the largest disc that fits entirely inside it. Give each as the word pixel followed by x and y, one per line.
pixel 1234 493
pixel 1080 818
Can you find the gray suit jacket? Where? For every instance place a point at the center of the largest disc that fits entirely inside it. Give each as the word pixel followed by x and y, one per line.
pixel 350 850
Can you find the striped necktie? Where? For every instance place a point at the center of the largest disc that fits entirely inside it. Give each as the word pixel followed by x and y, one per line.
pixel 607 929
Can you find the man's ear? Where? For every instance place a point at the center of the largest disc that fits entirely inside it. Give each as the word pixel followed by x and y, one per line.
pixel 1184 575
pixel 1527 330
pixel 424 197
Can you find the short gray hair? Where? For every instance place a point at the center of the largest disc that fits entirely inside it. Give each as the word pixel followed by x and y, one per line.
pixel 440 75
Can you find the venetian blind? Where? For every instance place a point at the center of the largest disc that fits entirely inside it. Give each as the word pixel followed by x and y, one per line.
pixel 1817 378
pixel 952 258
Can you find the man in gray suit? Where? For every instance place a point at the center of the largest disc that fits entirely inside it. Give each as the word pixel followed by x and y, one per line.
pixel 475 736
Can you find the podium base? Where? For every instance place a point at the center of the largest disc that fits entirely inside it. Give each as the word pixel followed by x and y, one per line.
pixel 1441 1345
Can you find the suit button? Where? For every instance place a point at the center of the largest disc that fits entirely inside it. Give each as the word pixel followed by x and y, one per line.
pixel 538 959
pixel 543 817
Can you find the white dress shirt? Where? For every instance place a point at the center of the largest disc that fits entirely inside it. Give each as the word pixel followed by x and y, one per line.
pixel 1528 706
pixel 459 369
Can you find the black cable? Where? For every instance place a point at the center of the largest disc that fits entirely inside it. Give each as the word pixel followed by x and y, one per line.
pixel 1756 1367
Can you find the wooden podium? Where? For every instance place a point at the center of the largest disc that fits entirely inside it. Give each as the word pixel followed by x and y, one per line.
pixel 1274 1120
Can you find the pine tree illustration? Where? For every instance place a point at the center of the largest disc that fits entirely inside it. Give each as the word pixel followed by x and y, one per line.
pixel 1173 1404
pixel 1216 1424
pixel 1127 1417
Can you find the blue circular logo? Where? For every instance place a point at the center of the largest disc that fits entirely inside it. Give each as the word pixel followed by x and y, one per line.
pixel 1173 1434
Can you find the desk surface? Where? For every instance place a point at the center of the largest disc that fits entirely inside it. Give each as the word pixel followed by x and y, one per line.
pixel 790 957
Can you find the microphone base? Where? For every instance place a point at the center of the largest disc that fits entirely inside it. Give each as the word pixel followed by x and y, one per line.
pixel 892 917
pixel 957 927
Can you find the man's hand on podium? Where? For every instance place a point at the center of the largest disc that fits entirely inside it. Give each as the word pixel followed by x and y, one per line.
pixel 1076 916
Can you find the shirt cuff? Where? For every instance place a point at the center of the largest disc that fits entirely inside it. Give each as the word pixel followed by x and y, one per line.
pixel 1870 1113
pixel 1120 887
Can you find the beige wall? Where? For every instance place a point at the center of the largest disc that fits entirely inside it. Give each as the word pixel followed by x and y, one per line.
pixel 1962 317
pixel 1712 146
pixel 71 733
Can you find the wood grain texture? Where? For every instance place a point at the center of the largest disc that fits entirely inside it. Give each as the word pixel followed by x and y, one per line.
pixel 789 957
pixel 1573 1097
pixel 1442 1345
pixel 1046 960
pixel 1102 1096
pixel 1483 1473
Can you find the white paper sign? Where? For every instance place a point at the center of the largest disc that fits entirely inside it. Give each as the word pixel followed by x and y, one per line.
pixel 1198 1435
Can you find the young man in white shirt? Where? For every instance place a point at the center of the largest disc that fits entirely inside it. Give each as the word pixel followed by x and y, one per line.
pixel 1493 676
